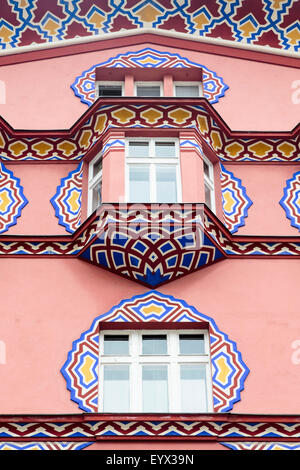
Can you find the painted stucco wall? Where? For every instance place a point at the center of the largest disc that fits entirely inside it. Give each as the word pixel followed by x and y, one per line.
pixel 47 304
pixel 38 93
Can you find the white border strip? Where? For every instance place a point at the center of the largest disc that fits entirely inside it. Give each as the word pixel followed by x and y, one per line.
pixel 160 32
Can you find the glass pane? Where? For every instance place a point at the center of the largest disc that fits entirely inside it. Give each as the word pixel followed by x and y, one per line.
pixel 116 388
pixel 193 388
pixel 110 90
pixel 154 344
pixel 165 149
pixel 186 90
pixel 191 344
pixel 208 196
pixel 206 169
pixel 138 149
pixel 166 184
pixel 139 182
pixel 96 198
pixel 116 345
pixel 151 90
pixel 155 389
pixel 97 167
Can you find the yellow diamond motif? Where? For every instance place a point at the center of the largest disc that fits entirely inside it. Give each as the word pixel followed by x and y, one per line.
pixel 97 19
pixel 73 200
pixel 100 123
pixel 203 125
pixel 223 370
pixel 234 149
pixel 17 148
pixel 286 148
pixel 216 140
pixel 148 13
pixel 180 116
pixel 152 308
pixel 42 148
pixel 247 28
pixel 260 148
pixel 51 26
pixel 228 201
pixel 85 139
pixel 151 115
pixel 201 20
pixel 86 367
pixel 4 200
pixel 123 115
pixel 67 147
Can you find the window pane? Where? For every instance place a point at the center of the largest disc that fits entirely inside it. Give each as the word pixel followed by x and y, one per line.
pixel 154 344
pixel 186 90
pixel 193 388
pixel 208 196
pixel 97 167
pixel 191 344
pixel 110 90
pixel 151 90
pixel 139 182
pixel 116 345
pixel 116 388
pixel 138 149
pixel 165 149
pixel 155 388
pixel 206 169
pixel 96 198
pixel 166 184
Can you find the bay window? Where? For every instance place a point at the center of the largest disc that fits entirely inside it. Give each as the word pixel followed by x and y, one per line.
pixel 161 371
pixel 152 171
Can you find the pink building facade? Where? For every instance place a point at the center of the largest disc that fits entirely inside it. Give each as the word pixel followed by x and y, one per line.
pixel 149 227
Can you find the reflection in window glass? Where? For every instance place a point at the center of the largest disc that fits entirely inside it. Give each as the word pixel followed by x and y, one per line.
pixel 165 149
pixel 116 345
pixel 150 90
pixel 208 196
pixel 138 149
pixel 191 344
pixel 186 90
pixel 166 186
pixel 110 90
pixel 193 388
pixel 155 388
pixel 96 196
pixel 116 388
pixel 139 181
pixel 154 344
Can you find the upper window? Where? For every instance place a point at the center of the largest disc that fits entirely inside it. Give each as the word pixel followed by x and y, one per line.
pixel 148 89
pixel 155 371
pixel 109 89
pixel 187 89
pixel 95 184
pixel 152 171
pixel 209 184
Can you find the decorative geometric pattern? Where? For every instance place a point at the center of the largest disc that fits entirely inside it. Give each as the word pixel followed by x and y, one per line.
pixel 202 119
pixel 43 445
pixel 12 199
pixel 154 246
pixel 84 86
pixel 67 200
pixel 220 427
pixel 265 22
pixel 234 199
pixel 291 200
pixel 262 445
pixel 81 368
pixel 117 215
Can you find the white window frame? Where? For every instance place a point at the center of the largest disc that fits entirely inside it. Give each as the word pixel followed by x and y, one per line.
pixel 160 84
pixel 152 161
pixel 93 181
pixel 173 359
pixel 209 181
pixel 106 82
pixel 199 84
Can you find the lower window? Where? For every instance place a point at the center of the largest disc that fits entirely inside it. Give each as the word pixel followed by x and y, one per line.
pixel 155 372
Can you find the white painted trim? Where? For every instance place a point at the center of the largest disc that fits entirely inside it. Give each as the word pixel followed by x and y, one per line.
pixel 173 359
pixel 108 82
pixel 159 32
pixel 152 162
pixel 199 84
pixel 145 84
pixel 93 181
